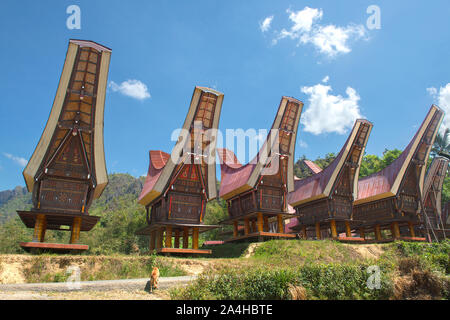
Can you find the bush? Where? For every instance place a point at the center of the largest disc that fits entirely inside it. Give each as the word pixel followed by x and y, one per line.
pixel 331 281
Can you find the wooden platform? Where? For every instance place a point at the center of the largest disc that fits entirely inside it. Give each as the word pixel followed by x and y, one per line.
pixel 350 239
pixel 53 247
pixel 263 235
pixel 183 251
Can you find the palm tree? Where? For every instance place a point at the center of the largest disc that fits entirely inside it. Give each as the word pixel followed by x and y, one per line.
pixel 441 144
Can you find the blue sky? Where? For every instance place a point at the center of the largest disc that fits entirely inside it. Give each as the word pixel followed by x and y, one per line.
pixel 390 75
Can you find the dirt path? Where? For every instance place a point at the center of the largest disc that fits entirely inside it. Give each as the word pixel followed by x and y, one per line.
pixel 87 295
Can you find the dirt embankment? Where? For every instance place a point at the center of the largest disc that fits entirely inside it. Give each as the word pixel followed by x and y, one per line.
pixel 28 268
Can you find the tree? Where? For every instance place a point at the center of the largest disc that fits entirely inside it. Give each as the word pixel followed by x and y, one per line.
pixel 441 143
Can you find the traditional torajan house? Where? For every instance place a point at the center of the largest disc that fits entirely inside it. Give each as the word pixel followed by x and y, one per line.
pixel 256 193
pixel 67 169
pixel 432 197
pixel 179 185
pixel 391 199
pixel 324 200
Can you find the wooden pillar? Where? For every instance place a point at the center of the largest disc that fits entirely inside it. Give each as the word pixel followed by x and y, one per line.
pixel 378 233
pixel 40 227
pixel 395 230
pixel 195 238
pixel 266 223
pixel 177 238
pixel 411 229
pixel 159 242
pixel 305 235
pixel 152 243
pixel 246 226
pixel 280 223
pixel 348 230
pixel 76 227
pixel 260 222
pixel 254 226
pixel 168 243
pixel 318 235
pixel 333 229
pixel 235 228
pixel 185 237
pixel 362 234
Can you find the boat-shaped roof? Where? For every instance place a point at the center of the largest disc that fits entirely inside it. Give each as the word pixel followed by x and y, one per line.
pixel 320 185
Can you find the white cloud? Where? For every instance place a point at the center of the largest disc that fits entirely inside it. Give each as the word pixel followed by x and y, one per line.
pixel 328 39
pixel 132 88
pixel 265 25
pixel 19 160
pixel 442 99
pixel 302 144
pixel 329 113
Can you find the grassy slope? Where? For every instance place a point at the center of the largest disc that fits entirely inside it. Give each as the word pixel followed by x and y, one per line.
pixel 325 270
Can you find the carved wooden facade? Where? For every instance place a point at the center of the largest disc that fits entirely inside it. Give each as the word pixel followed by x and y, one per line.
pixel 324 200
pixel 67 170
pixel 178 186
pixel 256 193
pixel 391 199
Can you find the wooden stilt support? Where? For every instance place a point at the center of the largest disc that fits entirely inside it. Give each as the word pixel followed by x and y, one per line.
pixel 195 238
pixel 260 222
pixel 396 230
pixel 177 238
pixel 362 234
pixel 253 225
pixel 159 242
pixel 333 229
pixel 280 223
pixel 185 237
pixel 266 224
pixel 152 243
pixel 378 233
pixel 348 230
pixel 39 228
pixel 75 234
pixel 411 229
pixel 168 243
pixel 318 234
pixel 304 234
pixel 246 226
pixel 235 228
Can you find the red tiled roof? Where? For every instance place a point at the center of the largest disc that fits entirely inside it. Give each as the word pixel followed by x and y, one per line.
pixel 158 160
pixel 314 185
pixel 233 174
pixel 382 181
pixel 312 166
